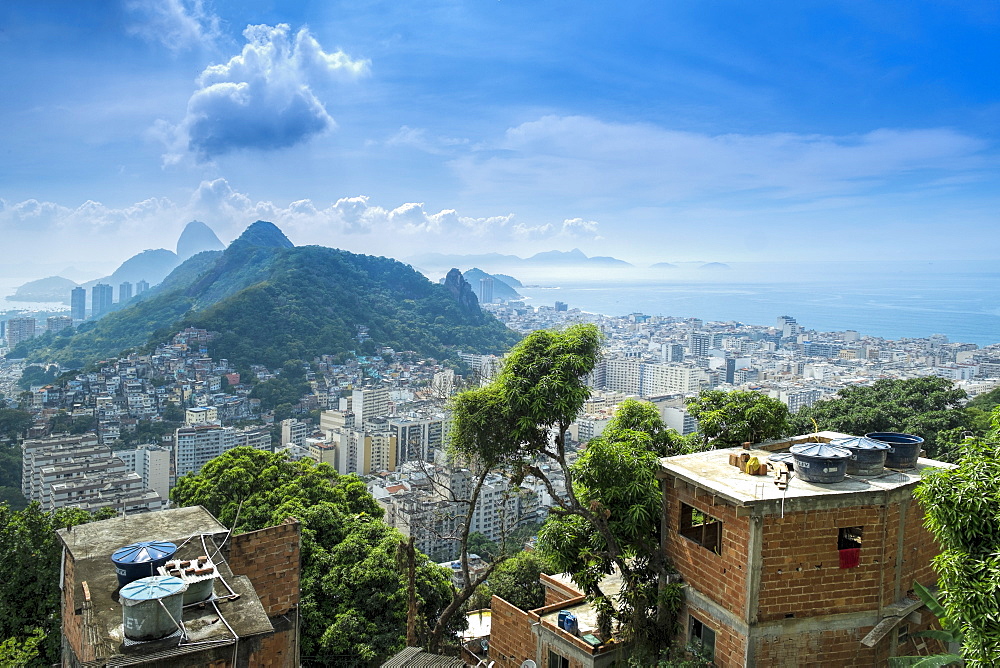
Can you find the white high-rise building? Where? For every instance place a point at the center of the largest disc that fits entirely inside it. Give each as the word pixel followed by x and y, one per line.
pixel 195 446
pixel 20 329
pixel 152 463
pixel 370 404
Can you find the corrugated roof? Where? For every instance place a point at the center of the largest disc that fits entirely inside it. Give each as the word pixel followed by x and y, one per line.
pixel 414 657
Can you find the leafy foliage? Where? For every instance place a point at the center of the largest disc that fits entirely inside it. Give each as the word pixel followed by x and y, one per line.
pixel 927 407
pixel 615 479
pixel 962 511
pixel 517 580
pixel 732 418
pixel 353 592
pixel 24 651
pixel 29 572
pixel 946 635
pixel 37 375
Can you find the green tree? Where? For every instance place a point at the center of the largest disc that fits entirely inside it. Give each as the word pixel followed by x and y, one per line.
pixel 615 480
pixel 18 651
pixel 14 422
pixel 354 595
pixel 29 575
pixel 923 406
pixel 731 418
pixel 483 546
pixel 608 515
pixel 517 580
pixel 962 510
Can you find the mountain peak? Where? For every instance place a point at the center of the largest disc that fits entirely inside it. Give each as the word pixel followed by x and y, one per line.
pixel 263 233
pixel 197 237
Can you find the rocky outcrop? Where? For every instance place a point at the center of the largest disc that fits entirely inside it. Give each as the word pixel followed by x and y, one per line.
pixel 462 292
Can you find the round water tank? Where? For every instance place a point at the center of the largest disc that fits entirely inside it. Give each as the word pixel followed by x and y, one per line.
pixel 142 615
pixel 868 455
pixel 905 448
pixel 140 560
pixel 819 462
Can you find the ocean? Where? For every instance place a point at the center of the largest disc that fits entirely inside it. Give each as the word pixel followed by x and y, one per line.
pixel 892 300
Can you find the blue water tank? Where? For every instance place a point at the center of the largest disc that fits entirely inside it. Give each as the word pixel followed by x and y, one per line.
pixel 567 621
pixel 152 607
pixel 140 560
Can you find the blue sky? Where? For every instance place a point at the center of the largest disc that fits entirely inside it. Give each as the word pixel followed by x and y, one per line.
pixel 652 131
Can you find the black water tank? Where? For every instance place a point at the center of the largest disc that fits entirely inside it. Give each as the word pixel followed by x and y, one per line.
pixel 820 462
pixel 905 448
pixel 868 454
pixel 140 560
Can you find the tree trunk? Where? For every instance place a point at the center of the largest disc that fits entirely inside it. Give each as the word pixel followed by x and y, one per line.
pixel 411 594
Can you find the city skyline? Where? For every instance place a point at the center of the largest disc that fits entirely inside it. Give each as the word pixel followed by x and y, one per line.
pixel 651 133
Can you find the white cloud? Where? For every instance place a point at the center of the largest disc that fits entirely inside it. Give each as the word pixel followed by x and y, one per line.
pixel 419 139
pixel 582 157
pixel 263 98
pixel 176 24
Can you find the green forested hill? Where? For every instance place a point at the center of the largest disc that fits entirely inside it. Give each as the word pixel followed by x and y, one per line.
pixel 272 302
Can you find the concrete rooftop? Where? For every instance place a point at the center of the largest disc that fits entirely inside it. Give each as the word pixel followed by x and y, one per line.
pixel 91 546
pixel 712 472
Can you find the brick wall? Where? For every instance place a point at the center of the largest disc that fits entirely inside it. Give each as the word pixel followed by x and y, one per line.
pixel 270 558
pixel 730 647
pixel 278 650
pixel 72 621
pixel 721 577
pixel 801 573
pixel 818 649
pixel 557 591
pixel 919 547
pixel 511 640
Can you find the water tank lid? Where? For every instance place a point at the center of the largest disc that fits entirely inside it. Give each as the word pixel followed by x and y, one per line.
pixel 821 450
pixel 146 551
pixel 860 443
pixel 151 588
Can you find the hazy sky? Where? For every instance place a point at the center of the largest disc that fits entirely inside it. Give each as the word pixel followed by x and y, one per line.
pixel 646 130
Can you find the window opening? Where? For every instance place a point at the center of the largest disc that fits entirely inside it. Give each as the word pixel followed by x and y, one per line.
pixel 902 634
pixel 701 528
pixel 849 546
pixel 556 661
pixel 701 638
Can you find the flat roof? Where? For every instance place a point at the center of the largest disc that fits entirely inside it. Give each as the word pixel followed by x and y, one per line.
pixel 91 546
pixel 712 472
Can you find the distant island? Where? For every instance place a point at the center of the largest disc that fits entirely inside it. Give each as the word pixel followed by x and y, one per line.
pixel 571 258
pixel 51 289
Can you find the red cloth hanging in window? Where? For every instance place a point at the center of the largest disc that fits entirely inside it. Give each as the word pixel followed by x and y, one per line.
pixel 850 557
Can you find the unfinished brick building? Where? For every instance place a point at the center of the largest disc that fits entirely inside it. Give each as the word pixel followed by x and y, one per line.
pixel 810 575
pixel 250 618
pixel 517 635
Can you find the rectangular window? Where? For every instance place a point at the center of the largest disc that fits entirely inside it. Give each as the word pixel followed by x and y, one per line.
pixel 849 546
pixel 701 528
pixel 556 661
pixel 902 634
pixel 701 638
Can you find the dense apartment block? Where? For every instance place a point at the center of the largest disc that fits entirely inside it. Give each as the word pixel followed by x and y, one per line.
pixel 814 574
pixel 194 446
pixel 63 471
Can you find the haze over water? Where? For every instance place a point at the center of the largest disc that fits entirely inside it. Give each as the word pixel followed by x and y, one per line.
pixel 892 300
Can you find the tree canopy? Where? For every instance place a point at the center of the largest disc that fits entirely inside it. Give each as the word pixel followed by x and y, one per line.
pixel 517 580
pixel 962 511
pixel 731 418
pixel 615 478
pixel 928 407
pixel 354 596
pixel 29 579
